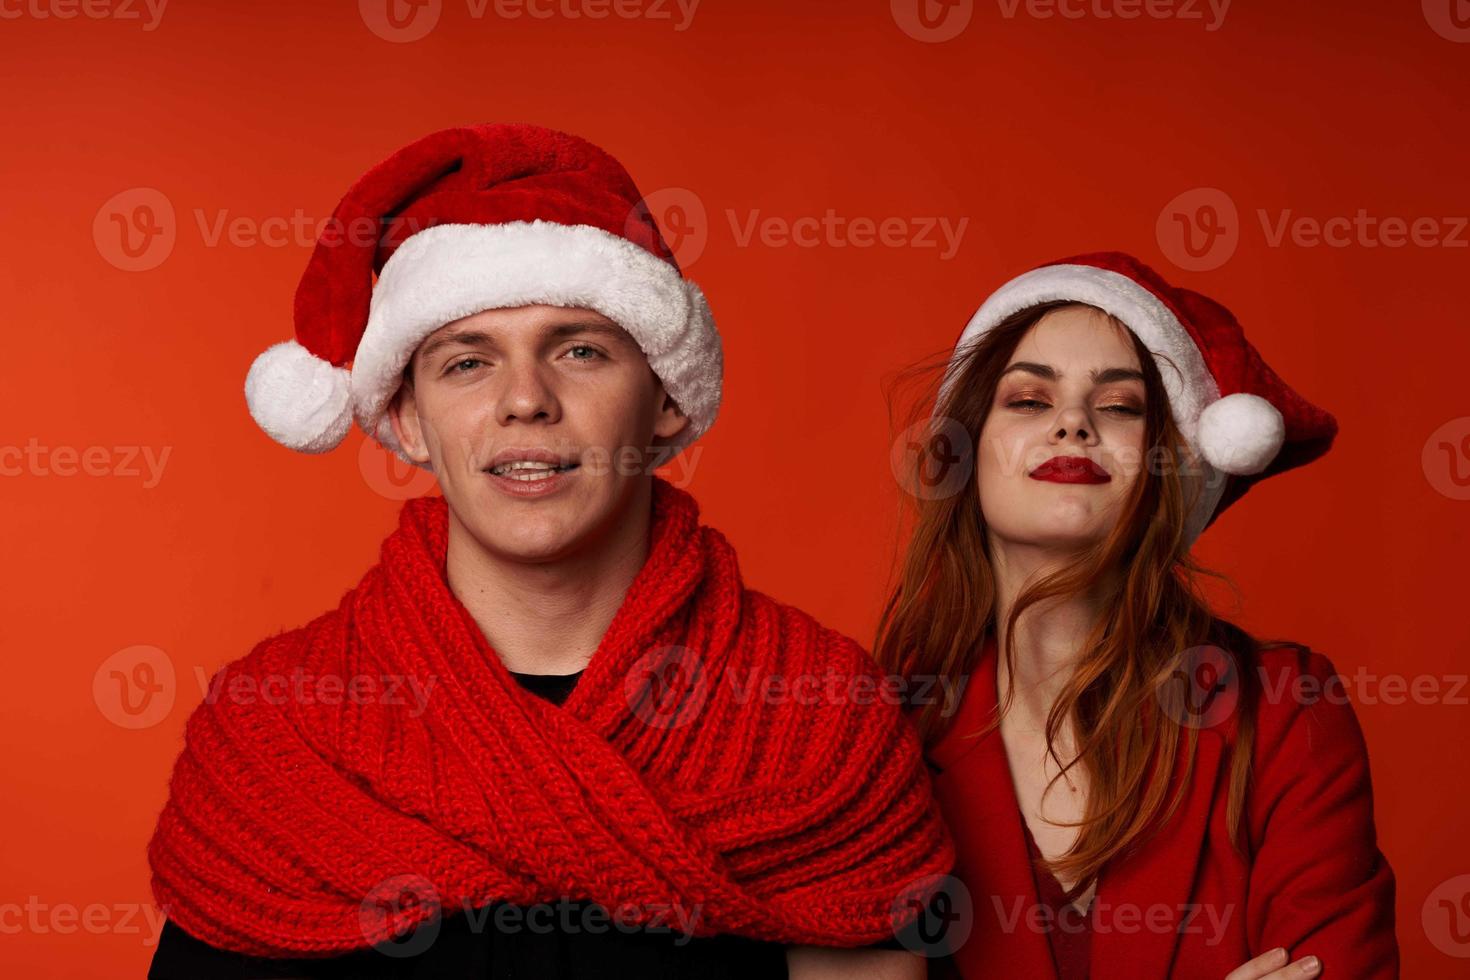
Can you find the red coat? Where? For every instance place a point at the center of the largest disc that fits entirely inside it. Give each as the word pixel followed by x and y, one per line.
pixel 1187 904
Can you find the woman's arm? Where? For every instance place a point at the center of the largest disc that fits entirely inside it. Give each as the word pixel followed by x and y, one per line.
pixel 1319 886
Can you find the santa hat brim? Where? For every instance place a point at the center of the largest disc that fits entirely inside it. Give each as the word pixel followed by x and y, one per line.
pixel 451 271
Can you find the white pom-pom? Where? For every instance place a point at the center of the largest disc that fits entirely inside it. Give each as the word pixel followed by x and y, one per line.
pixel 1241 434
pixel 298 399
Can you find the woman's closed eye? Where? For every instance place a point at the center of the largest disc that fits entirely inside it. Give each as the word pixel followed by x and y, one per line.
pixel 1124 409
pixel 1035 404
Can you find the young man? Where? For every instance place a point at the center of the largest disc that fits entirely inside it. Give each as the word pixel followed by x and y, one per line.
pixel 617 760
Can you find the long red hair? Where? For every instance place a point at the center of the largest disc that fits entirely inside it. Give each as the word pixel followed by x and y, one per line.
pixel 943 605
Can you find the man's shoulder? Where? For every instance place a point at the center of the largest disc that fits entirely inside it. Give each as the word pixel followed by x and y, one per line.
pixel 275 656
pixel 802 636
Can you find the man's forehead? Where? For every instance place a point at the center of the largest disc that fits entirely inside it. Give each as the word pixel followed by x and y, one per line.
pixel 542 316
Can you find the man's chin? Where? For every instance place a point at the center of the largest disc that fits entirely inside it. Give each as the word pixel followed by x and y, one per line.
pixel 530 529
pixel 536 543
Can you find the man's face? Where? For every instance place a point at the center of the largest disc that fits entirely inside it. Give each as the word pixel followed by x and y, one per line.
pixel 492 391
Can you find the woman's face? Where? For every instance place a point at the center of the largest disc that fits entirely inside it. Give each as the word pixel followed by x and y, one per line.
pixel 1063 442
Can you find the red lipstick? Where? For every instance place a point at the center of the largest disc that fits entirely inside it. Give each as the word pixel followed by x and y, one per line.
pixel 1070 469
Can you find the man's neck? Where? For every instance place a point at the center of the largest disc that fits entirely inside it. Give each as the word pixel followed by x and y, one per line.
pixel 549 617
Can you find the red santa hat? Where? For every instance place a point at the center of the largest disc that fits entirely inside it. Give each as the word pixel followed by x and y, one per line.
pixel 469 219
pixel 1237 415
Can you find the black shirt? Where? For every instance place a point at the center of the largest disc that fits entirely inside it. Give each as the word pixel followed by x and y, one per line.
pixel 562 939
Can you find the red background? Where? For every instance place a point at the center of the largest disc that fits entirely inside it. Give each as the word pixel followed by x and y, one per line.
pixel 1051 135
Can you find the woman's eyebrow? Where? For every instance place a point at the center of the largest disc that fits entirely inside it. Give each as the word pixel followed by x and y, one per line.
pixel 1031 367
pixel 1100 376
pixel 1110 375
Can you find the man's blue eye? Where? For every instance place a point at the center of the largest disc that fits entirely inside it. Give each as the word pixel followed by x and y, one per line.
pixel 592 350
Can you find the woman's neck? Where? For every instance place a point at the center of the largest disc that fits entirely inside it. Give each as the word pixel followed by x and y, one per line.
pixel 1050 634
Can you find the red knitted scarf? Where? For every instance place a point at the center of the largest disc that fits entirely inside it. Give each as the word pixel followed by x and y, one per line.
pixel 723 754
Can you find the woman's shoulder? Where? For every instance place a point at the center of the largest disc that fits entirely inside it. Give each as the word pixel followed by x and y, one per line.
pixel 1294 685
pixel 1292 702
pixel 1304 729
pixel 1270 681
pixel 1291 676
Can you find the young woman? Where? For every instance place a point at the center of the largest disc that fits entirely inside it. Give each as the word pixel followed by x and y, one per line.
pixel 1137 787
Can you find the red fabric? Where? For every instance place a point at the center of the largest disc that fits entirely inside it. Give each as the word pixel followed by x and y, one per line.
pixel 1071 937
pixel 1187 904
pixel 666 780
pixel 489 173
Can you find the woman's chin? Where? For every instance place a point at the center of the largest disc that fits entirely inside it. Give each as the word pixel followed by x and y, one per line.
pixel 1069 527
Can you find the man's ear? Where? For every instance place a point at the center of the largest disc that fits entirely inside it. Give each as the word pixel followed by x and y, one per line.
pixel 403 415
pixel 671 419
